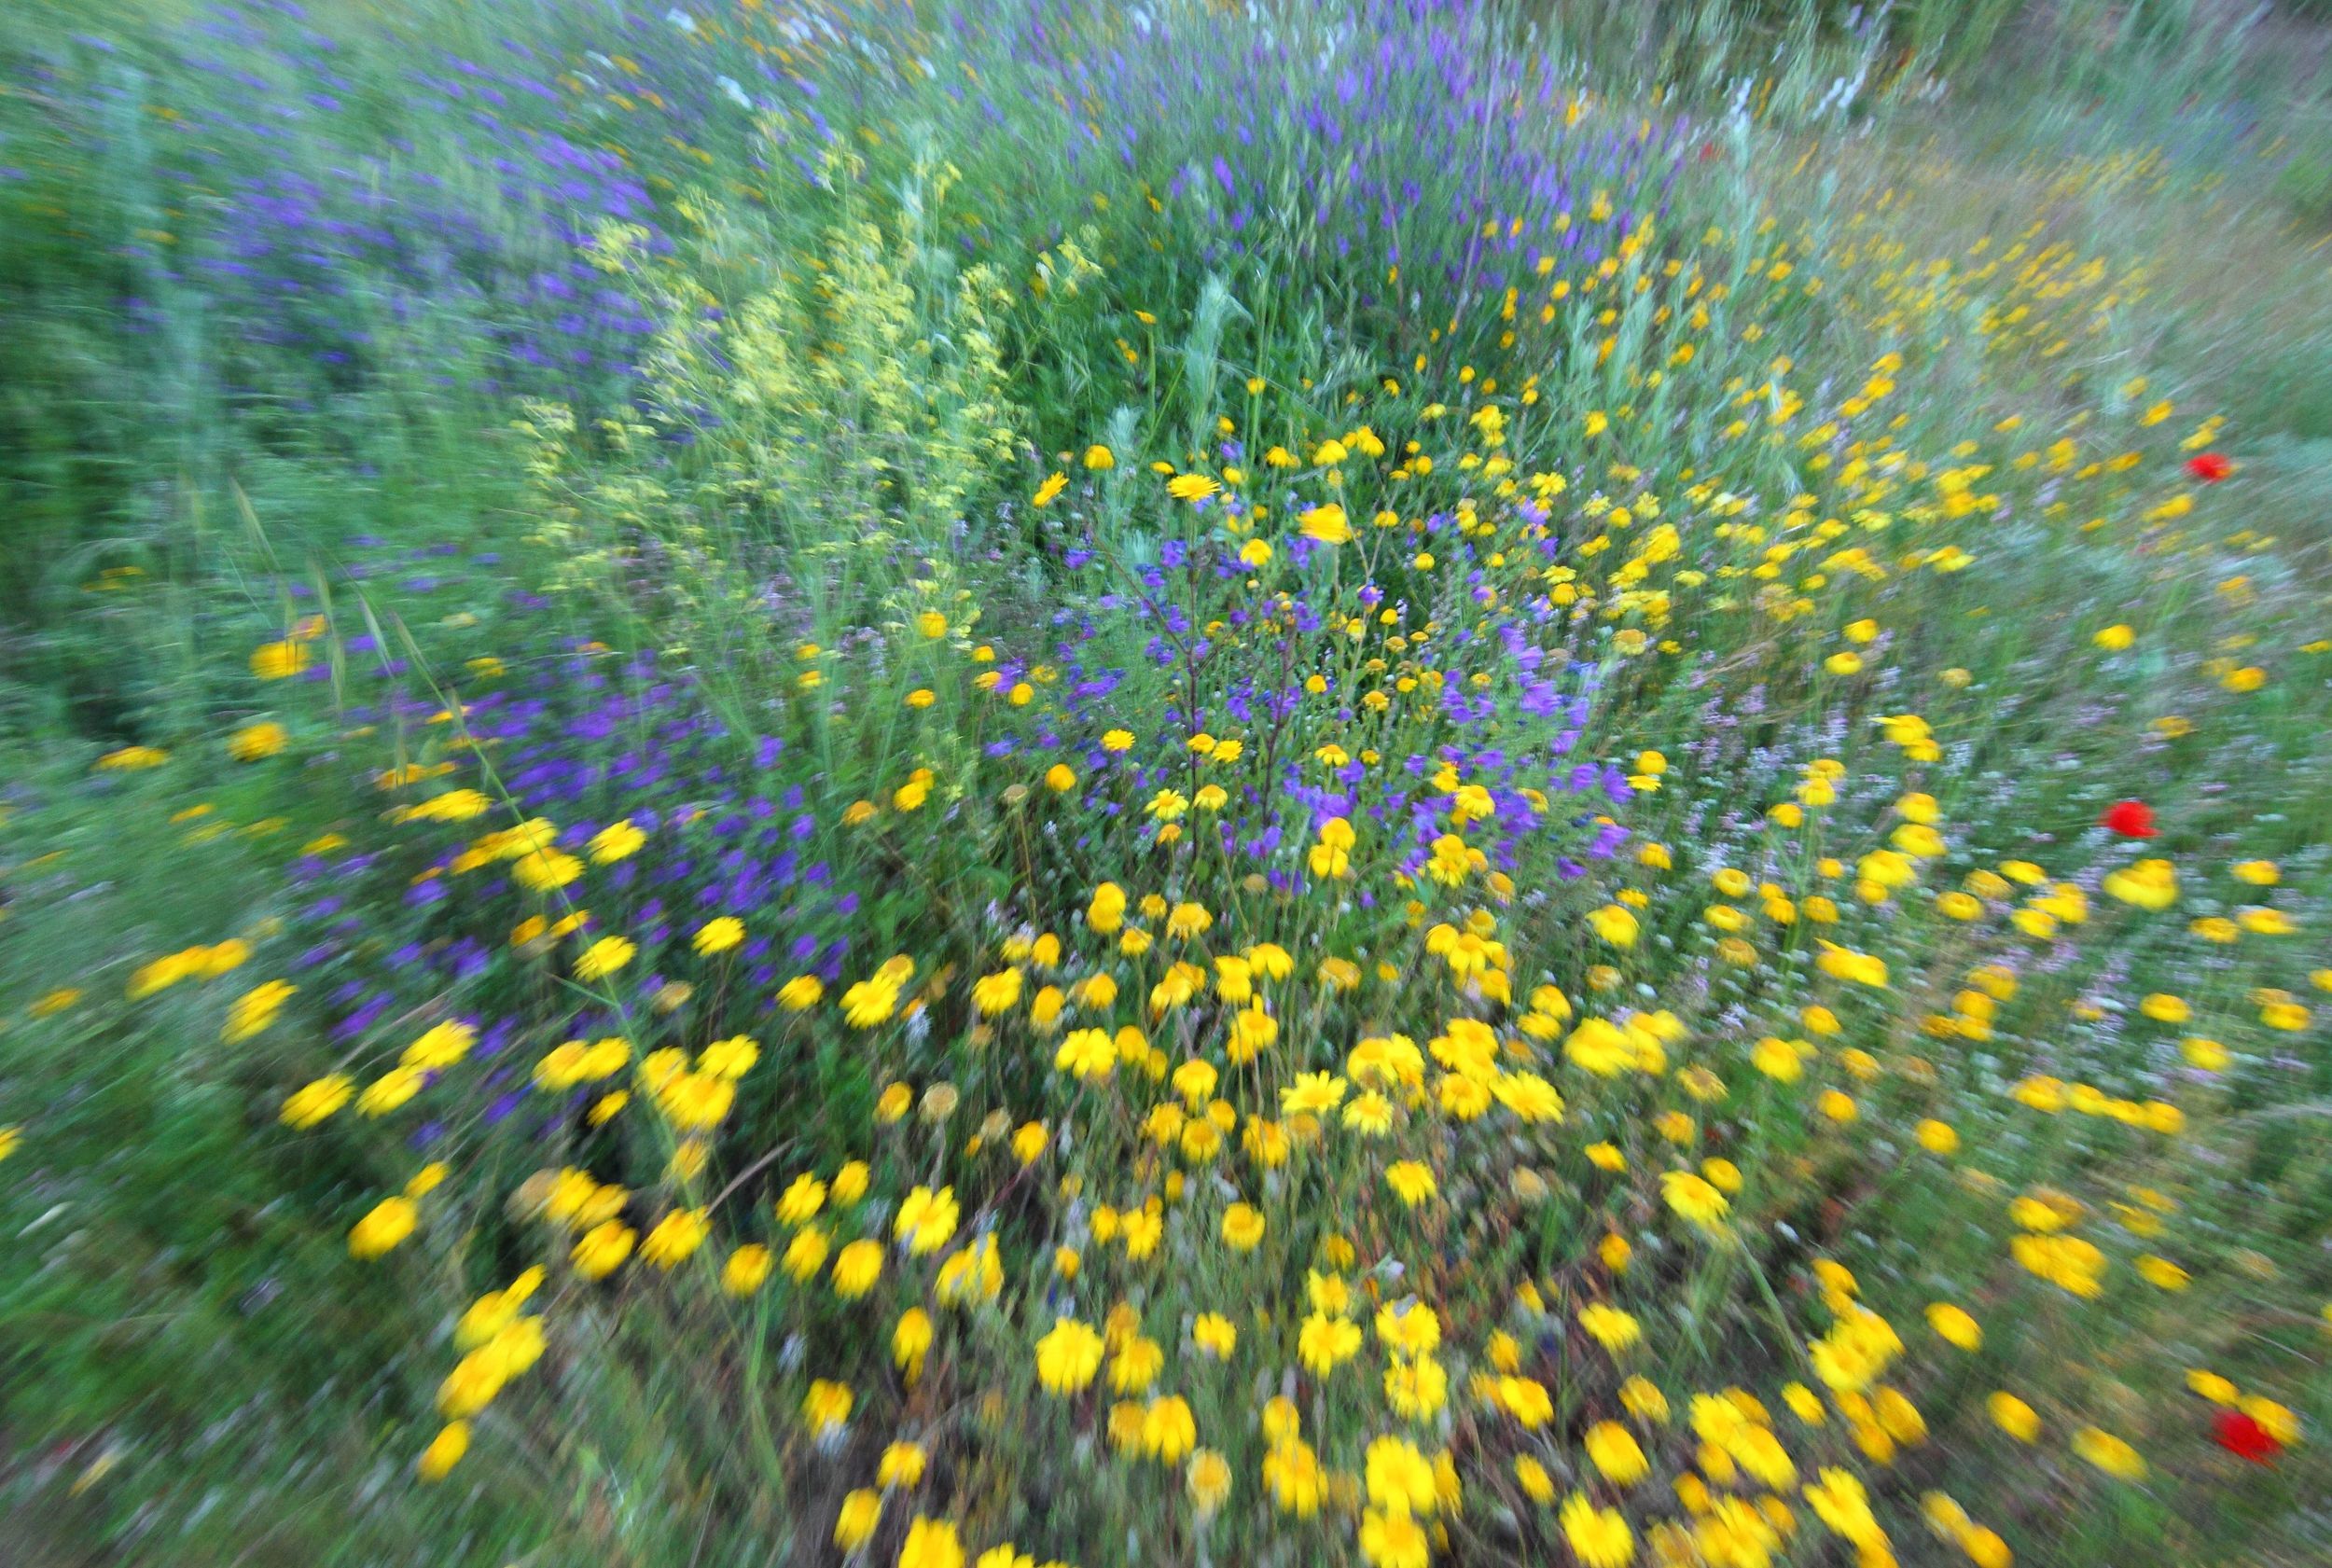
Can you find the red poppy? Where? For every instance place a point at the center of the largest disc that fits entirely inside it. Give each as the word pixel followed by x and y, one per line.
pixel 2244 1437
pixel 2209 466
pixel 2132 819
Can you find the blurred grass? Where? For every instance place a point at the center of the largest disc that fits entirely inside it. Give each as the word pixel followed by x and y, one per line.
pixel 165 1243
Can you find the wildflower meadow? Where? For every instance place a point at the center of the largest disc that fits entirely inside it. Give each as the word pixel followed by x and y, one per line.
pixel 968 784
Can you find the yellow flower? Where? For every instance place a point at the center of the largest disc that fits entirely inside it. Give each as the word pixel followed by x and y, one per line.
pixel 1846 965
pixel 1400 1477
pixel 445 1450
pixel 2209 1056
pixel 1694 1197
pixel 1613 924
pixel 390 1222
pixel 1530 1097
pixel 854 1525
pixel 2211 1387
pixel 2280 1422
pixel 253 741
pixel 1138 1359
pixel 2161 1273
pixel 902 1464
pixel 427 1179
pixel 827 1404
pixel 695 1101
pixel 617 841
pixel 275 662
pixel 1614 1452
pixel 1985 1548
pixel 1293 1474
pixel 911 1340
pixel 1325 523
pixel 996 993
pixel 2149 885
pixel 1526 1400
pixel 1955 1325
pixel 1243 1227
pixel 389 1090
pixel 482 1374
pixel 1208 1482
pixel 931 1544
pixel 1610 1327
pixel 2014 1416
pixel 1600 1537
pixel 856 1267
pixel 1642 1399
pixel 1215 1334
pixel 602 1249
pixel 1070 1355
pixel 718 935
pixel 1370 1113
pixel 927 1220
pixel 1841 1501
pixel 1394 1539
pixel 2290 1017
pixel 1185 921
pixel 746 1268
pixel 1410 1180
pixel 440 1046
pixel 1054 484
pixel 868 1002
pixel 675 1236
pixel 2109 1454
pixel 542 869
pixel 1169 1431
pixel 255 1009
pixel 1086 1053
pixel 306 1106
pixel 1326 1343
pixel 604 958
pixel 729 1059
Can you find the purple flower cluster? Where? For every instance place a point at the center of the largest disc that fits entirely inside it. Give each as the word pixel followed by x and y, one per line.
pixel 341 206
pixel 1406 137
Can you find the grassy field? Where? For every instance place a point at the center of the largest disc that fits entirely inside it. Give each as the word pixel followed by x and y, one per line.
pixel 1024 784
